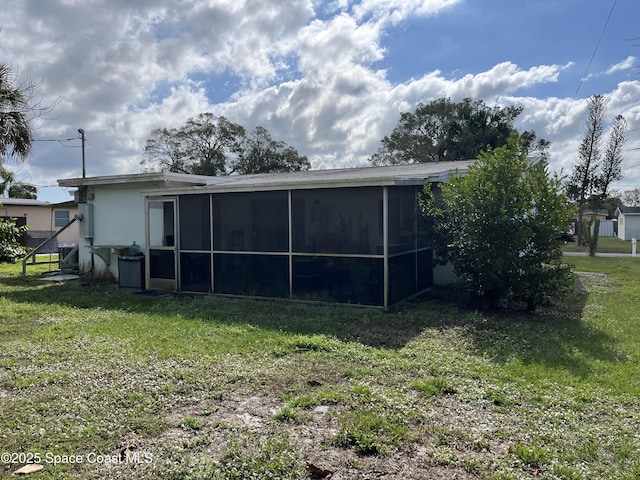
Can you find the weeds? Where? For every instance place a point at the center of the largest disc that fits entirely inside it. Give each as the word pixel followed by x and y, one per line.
pixel 435 386
pixel 215 388
pixel 371 432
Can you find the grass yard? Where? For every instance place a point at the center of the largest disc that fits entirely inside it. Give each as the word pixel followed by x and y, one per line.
pixel 605 245
pixel 98 383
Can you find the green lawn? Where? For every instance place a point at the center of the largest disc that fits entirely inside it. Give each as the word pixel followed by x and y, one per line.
pixel 174 387
pixel 605 245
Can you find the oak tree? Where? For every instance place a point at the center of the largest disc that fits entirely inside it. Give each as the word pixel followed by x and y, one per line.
pixel 444 130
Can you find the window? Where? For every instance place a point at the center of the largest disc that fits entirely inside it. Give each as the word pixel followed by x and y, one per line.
pixel 338 279
pixel 61 218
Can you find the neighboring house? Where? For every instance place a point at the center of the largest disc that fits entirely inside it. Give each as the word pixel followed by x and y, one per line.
pixel 628 222
pixel 589 215
pixel 339 236
pixel 607 227
pixel 43 220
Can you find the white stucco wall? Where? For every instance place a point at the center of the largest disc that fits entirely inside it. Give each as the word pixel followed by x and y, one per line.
pixel 118 212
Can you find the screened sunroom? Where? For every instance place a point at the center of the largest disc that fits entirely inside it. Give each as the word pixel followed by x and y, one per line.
pixel 338 236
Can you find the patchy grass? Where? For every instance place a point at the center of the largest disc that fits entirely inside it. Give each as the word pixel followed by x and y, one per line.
pixel 140 386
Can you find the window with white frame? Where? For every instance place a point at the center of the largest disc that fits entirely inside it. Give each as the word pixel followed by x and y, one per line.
pixel 61 218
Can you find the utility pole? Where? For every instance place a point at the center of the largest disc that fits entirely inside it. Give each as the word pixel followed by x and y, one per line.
pixel 81 132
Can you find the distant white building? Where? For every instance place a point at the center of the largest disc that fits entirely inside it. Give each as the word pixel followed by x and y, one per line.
pixel 628 222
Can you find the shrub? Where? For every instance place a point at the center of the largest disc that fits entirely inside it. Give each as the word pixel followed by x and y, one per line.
pixel 10 248
pixel 499 226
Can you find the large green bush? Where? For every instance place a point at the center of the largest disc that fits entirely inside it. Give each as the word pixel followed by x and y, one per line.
pixel 499 227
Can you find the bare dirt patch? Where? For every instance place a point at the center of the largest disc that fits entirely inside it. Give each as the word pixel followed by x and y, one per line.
pixel 249 419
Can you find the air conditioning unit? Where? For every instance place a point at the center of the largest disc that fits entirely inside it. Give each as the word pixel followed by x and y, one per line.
pixel 85 217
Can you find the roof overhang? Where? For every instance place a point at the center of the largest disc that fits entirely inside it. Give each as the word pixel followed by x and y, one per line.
pixel 154 177
pixel 413 174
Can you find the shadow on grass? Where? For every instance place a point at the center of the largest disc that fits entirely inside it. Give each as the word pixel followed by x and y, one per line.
pixel 555 336
pixel 368 326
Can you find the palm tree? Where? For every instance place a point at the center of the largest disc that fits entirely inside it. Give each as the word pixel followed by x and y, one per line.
pixel 15 132
pixel 11 187
pixel 7 178
pixel 23 190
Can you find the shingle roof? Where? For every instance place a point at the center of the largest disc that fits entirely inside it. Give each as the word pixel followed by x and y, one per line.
pixel 629 210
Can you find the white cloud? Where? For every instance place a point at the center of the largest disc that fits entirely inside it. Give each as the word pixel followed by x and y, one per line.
pixel 309 71
pixel 627 64
pixel 396 11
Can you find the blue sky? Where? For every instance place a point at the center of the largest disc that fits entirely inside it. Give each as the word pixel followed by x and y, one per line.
pixel 328 77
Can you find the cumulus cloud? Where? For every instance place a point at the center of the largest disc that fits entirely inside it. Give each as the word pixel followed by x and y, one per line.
pixel 396 11
pixel 307 70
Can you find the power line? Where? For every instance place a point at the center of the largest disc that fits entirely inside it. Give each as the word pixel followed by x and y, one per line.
pixel 63 142
pixel 593 55
pixel 595 50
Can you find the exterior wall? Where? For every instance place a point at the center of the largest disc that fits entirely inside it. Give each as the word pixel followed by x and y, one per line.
pixel 628 226
pixel 443 275
pixel 41 222
pixel 118 221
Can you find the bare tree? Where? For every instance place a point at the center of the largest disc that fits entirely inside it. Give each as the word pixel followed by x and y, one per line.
pixel 631 197
pixel 585 171
pixel 611 169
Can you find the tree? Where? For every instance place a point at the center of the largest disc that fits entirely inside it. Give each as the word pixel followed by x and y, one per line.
pixel 206 145
pixel 15 106
pixel 592 175
pixel 163 152
pixel 499 226
pixel 23 190
pixel 444 130
pixel 611 168
pixel 631 197
pixel 18 107
pixel 261 154
pixel 13 188
pixel 201 146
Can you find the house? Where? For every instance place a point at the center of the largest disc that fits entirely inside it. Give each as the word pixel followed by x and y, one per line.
pixel 628 222
pixel 607 227
pixel 339 236
pixel 600 214
pixel 43 220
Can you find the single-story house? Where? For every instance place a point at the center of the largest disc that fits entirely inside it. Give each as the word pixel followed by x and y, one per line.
pixel 628 222
pixel 340 236
pixel 600 214
pixel 43 220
